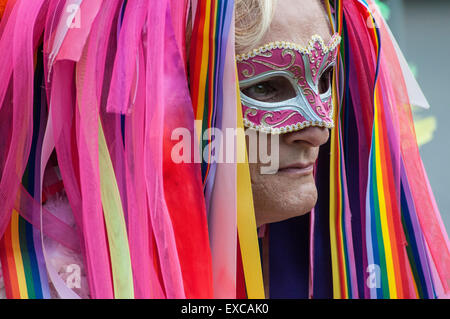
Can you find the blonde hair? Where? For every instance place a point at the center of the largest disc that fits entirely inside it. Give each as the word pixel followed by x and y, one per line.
pixel 253 18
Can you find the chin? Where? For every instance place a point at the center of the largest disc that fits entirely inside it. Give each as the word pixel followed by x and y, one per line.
pixel 278 198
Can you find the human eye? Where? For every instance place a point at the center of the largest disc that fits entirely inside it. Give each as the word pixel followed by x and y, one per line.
pixel 275 89
pixel 325 81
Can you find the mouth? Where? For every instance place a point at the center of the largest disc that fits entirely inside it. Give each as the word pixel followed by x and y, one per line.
pixel 297 169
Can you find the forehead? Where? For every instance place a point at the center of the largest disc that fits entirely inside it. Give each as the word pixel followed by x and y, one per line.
pixel 297 21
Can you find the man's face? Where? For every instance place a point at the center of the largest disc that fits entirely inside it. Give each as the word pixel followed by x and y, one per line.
pixel 291 191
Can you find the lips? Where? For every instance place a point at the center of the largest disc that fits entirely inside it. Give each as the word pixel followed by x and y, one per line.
pixel 297 169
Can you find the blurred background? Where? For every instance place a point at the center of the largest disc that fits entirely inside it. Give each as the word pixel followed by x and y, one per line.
pixel 422 30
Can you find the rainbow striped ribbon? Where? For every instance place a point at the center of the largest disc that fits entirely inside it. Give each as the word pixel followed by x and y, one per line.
pixel 393 247
pixel 21 256
pixel 386 218
pixel 343 265
pixel 209 41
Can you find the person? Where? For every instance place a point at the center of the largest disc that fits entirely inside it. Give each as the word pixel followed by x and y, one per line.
pixel 302 256
pixel 291 191
pixel 98 207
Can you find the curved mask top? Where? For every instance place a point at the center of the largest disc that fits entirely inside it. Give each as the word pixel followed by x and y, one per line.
pixel 286 87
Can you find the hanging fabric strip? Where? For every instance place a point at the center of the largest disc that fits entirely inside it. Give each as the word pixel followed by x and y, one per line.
pixel 20 244
pixel 70 10
pixel 115 224
pixel 382 239
pixel 341 236
pixel 222 223
pixel 334 207
pixel 59 105
pixel 28 258
pixel 31 258
pixel 98 260
pixel 120 98
pixel 427 212
pixel 187 213
pixel 75 39
pixel 22 262
pixel 22 61
pixel 146 281
pixel 248 237
pixel 153 152
pixel 47 147
pixel 14 263
pixel 210 34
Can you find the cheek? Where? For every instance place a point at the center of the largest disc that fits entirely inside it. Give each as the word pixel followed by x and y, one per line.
pixel 278 198
pixel 287 191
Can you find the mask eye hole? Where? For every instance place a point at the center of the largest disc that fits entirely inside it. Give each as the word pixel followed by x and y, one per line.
pixel 325 81
pixel 276 89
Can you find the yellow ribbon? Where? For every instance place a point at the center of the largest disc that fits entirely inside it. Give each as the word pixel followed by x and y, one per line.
pixel 115 224
pixel 333 197
pixel 246 222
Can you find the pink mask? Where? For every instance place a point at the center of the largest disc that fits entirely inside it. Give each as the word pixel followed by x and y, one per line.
pixel 286 87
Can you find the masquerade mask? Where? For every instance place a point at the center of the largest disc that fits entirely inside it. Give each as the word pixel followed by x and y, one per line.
pixel 286 87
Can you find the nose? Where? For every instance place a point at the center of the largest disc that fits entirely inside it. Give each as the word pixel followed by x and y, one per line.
pixel 315 136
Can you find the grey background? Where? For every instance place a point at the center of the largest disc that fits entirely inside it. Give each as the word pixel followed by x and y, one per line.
pixel 422 29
